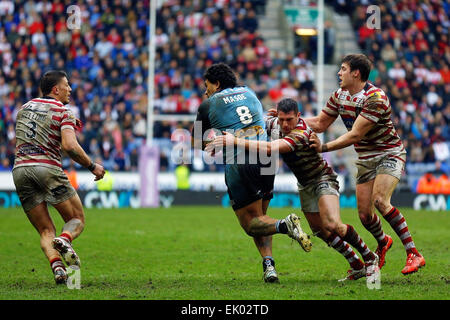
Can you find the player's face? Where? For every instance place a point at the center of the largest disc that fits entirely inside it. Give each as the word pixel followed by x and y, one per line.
pixel 346 76
pixel 63 90
pixel 288 121
pixel 211 88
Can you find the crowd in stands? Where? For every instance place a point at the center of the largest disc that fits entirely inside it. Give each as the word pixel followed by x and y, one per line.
pixel 107 61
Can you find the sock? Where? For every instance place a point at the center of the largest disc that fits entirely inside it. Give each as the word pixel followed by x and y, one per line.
pixel 343 248
pixel 66 236
pixel 398 223
pixel 56 262
pixel 281 226
pixel 355 240
pixel 374 227
pixel 268 261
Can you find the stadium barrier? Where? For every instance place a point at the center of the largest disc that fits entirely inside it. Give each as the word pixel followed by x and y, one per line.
pixel 166 181
pixel 130 199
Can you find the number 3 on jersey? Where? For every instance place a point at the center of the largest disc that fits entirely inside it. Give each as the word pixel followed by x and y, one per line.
pixel 32 126
pixel 244 114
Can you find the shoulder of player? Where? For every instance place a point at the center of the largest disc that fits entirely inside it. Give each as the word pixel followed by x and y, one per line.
pixel 338 94
pixel 271 122
pixel 231 92
pixel 205 104
pixel 373 92
pixel 301 130
pixel 376 99
pixel 50 101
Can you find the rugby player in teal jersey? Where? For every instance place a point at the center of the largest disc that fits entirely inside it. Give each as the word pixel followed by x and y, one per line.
pixel 236 109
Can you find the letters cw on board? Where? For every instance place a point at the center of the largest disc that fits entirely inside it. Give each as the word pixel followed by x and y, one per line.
pixel 127 199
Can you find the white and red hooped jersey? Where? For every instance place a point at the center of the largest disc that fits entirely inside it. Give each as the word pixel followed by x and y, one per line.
pixel 372 104
pixel 38 132
pixel 306 163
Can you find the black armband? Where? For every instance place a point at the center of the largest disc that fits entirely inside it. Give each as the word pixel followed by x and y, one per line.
pixel 91 166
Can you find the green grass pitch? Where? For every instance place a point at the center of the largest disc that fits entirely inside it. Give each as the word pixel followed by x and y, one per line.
pixel 201 253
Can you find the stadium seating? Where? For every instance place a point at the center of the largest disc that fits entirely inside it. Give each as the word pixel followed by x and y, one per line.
pixel 107 62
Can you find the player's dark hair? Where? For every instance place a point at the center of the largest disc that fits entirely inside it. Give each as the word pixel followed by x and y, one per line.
pixel 287 105
pixel 222 73
pixel 359 62
pixel 50 79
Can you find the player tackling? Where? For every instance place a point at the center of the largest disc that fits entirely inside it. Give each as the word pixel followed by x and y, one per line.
pixel 44 126
pixel 366 112
pixel 317 185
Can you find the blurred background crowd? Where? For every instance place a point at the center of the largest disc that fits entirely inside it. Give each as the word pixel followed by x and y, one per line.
pixel 107 61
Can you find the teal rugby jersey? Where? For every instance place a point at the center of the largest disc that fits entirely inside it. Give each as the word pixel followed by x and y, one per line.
pixel 237 109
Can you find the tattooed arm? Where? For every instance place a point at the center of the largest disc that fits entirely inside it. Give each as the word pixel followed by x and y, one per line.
pixel 71 146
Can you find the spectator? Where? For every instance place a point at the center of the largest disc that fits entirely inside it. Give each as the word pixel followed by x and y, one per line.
pixel 5 164
pixel 427 184
pixel 108 62
pixel 182 174
pixel 443 184
pixel 72 175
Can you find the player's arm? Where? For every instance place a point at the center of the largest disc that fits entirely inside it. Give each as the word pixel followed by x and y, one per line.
pixel 71 146
pixel 320 123
pixel 326 117
pixel 201 125
pixel 359 130
pixel 268 147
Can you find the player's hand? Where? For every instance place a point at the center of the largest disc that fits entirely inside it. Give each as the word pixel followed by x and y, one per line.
pixel 209 148
pixel 227 139
pixel 98 172
pixel 272 112
pixel 315 143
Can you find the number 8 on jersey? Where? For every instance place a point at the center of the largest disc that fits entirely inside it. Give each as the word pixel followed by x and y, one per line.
pixel 244 114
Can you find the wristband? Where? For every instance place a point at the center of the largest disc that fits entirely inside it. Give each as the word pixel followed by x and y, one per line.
pixel 91 166
pixel 324 148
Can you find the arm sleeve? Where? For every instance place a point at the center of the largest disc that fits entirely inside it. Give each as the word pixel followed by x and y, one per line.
pixel 331 108
pixel 68 120
pixel 374 107
pixel 271 124
pixel 202 117
pixel 297 139
pixel 201 125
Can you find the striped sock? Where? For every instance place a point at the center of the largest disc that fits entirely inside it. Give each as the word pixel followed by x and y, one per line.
pixel 56 262
pixel 355 240
pixel 343 248
pixel 66 236
pixel 398 223
pixel 374 227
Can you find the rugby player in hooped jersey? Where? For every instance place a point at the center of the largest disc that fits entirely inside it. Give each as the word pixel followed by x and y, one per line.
pixel 317 184
pixel 366 112
pixel 44 126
